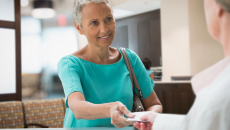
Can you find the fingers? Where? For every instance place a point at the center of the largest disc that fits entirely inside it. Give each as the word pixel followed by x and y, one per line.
pixel 122 108
pixel 145 117
pixel 142 126
pixel 117 117
pixel 137 125
pixel 151 116
pixel 148 126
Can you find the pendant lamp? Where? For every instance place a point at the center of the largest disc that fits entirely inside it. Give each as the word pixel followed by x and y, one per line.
pixel 43 9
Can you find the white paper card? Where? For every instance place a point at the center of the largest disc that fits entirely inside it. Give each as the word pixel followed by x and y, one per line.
pixel 137 117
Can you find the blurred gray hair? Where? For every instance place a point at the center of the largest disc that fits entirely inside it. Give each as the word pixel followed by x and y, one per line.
pixel 78 4
pixel 225 4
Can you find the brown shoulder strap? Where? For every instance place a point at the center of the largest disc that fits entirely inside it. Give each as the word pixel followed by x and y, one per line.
pixel 132 74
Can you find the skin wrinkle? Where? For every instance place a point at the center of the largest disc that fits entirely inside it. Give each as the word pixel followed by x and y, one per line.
pixel 97 51
pixel 78 4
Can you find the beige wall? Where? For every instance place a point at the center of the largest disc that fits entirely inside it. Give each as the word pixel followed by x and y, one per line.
pixel 175 38
pixel 204 50
pixel 187 48
pixel 81 40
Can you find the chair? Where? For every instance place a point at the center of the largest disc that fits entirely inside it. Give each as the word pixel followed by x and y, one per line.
pixel 44 113
pixel 63 99
pixel 11 115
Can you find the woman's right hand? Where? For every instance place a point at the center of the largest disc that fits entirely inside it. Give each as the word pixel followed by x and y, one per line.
pixel 117 112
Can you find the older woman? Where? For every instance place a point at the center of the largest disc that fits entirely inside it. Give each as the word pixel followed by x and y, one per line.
pixel 211 109
pixel 95 79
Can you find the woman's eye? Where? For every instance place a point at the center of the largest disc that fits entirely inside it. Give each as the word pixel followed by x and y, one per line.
pixel 94 23
pixel 109 19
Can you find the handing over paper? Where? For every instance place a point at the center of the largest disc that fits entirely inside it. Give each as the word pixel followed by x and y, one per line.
pixel 137 117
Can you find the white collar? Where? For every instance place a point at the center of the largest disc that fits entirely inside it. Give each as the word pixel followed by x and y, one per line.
pixel 207 76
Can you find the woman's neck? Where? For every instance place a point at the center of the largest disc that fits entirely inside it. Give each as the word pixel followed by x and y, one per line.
pixel 225 35
pixel 98 54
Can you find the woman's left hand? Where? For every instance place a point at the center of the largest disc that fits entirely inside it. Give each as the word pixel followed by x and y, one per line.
pixel 151 116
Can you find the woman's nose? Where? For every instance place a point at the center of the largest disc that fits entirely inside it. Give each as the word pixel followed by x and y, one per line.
pixel 104 28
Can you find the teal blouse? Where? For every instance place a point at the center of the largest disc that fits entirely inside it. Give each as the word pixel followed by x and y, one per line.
pixel 149 72
pixel 101 84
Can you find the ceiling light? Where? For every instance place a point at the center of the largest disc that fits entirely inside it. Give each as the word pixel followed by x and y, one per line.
pixel 43 9
pixel 24 3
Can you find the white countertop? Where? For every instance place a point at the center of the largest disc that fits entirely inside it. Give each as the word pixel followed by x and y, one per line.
pixel 172 82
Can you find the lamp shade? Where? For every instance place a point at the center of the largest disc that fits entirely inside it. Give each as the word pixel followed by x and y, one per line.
pixel 43 9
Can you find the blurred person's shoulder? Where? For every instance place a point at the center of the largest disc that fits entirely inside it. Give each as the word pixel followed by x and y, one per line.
pixel 218 96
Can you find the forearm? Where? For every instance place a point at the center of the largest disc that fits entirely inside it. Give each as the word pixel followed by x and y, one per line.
pixel 90 111
pixel 156 108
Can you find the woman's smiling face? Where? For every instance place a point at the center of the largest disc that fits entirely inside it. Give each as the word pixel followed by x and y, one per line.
pixel 98 24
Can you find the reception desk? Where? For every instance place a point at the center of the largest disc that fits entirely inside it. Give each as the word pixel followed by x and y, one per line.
pixel 177 97
pixel 89 128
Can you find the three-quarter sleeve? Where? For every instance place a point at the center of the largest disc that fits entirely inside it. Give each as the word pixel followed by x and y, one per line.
pixel 68 71
pixel 144 80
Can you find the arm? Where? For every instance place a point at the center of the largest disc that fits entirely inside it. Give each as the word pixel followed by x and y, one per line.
pixel 152 77
pixel 68 71
pixel 152 103
pixel 150 99
pixel 86 110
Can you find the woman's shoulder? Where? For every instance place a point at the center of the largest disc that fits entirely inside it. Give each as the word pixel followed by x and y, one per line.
pixel 80 53
pixel 73 58
pixel 131 54
pixel 68 60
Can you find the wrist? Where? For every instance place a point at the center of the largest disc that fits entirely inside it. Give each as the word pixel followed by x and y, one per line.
pixel 108 108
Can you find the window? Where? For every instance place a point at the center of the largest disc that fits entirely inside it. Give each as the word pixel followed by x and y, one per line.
pixel 10 50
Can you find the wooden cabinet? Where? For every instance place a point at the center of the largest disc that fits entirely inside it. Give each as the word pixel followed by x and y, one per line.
pixel 142 34
pixel 121 37
pixel 176 98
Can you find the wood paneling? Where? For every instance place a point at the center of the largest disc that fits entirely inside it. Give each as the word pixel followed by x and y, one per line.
pixel 5 24
pixel 144 39
pixel 17 7
pixel 155 42
pixel 133 37
pixel 141 33
pixel 121 37
pixel 175 98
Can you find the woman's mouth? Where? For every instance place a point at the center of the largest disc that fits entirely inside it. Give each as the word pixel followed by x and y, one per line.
pixel 105 38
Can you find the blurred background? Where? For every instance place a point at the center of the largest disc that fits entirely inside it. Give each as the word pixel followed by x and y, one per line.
pixel 171 33
pixel 48 36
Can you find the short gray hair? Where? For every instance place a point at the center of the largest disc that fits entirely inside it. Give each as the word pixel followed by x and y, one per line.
pixel 78 4
pixel 225 4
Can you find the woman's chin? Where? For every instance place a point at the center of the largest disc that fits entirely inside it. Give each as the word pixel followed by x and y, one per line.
pixel 105 44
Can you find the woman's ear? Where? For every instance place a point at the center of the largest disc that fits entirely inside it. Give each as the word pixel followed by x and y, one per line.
pixel 78 28
pixel 219 10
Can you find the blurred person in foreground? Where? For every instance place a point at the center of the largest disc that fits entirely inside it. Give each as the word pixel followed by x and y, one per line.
pixel 95 79
pixel 147 64
pixel 211 109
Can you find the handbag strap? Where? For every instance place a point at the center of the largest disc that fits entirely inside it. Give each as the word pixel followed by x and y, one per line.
pixel 132 74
